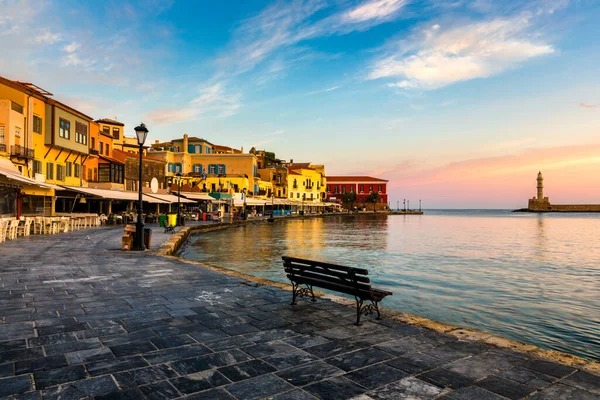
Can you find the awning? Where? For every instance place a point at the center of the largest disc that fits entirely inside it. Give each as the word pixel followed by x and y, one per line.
pixel 110 194
pixel 198 196
pixel 170 198
pixel 9 171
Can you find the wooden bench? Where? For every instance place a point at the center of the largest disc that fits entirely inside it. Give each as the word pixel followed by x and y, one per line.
pixel 127 239
pixel 169 229
pixel 338 278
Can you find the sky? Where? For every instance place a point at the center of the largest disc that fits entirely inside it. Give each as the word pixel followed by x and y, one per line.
pixel 458 103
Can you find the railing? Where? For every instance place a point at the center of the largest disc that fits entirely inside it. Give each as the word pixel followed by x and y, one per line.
pixel 94 151
pixel 3 148
pixel 21 152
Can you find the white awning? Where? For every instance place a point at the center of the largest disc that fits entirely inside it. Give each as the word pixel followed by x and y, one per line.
pixel 9 171
pixel 198 196
pixel 170 198
pixel 110 194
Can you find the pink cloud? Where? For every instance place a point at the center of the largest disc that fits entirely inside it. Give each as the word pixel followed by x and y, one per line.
pixel 585 105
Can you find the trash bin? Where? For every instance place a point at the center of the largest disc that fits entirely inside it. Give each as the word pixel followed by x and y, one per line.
pixel 301 212
pixel 147 237
pixel 172 218
pixel 182 220
pixel 203 216
pixel 162 221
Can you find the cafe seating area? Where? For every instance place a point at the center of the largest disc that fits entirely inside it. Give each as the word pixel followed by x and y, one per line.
pixel 13 228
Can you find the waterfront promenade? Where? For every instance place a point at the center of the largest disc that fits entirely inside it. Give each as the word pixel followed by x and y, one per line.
pixel 82 319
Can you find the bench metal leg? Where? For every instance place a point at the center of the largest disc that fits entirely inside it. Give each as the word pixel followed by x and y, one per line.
pixel 298 291
pixel 366 309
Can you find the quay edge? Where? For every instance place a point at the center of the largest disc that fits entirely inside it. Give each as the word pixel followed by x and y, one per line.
pixel 173 245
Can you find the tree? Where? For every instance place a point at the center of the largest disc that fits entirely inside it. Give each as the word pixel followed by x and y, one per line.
pixel 373 198
pixel 349 199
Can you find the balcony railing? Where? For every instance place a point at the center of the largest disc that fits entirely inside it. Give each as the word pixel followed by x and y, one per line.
pixel 21 152
pixel 94 151
pixel 2 148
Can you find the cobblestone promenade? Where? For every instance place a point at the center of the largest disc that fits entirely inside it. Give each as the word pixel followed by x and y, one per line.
pixel 81 319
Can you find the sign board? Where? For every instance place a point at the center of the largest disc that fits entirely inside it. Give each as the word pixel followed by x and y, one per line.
pixel 154 185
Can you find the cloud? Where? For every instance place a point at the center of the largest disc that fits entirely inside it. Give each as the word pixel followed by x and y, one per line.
pixel 436 57
pixel 214 100
pixel 586 105
pixel 48 38
pixel 277 132
pixel 373 10
pixel 72 47
pixel 331 89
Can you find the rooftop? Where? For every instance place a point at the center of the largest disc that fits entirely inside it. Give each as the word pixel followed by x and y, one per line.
pixel 350 178
pixel 110 121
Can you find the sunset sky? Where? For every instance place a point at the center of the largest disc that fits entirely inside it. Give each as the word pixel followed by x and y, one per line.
pixel 458 103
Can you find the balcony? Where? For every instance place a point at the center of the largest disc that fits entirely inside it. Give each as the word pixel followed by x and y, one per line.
pixel 21 152
pixel 2 148
pixel 94 151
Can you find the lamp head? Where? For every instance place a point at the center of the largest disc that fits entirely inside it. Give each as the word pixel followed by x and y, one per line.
pixel 141 132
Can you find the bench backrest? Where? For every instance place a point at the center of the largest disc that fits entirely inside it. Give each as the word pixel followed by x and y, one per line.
pixel 328 276
pixel 130 228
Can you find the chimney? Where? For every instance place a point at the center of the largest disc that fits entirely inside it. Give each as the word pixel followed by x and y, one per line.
pixel 185 143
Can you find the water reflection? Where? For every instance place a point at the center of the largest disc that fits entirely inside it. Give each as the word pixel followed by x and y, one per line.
pixel 533 278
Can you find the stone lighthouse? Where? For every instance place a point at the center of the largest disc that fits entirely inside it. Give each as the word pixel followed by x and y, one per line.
pixel 539 203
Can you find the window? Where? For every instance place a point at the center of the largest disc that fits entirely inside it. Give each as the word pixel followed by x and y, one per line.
pixel 77 170
pixel 16 107
pixel 197 168
pixel 362 188
pixel 89 174
pixel 298 195
pixel 222 169
pixel 81 133
pixel 64 128
pixel 106 129
pixel 2 134
pixel 69 168
pixel 37 167
pixel 37 124
pixel 49 170
pixel 106 149
pixel 60 172
pixel 116 133
pixel 371 188
pixel 101 146
pixel 95 174
pixel 379 189
pixel 93 143
pixel 212 168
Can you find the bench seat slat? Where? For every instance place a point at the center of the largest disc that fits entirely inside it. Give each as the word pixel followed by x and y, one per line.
pixel 358 271
pixel 326 278
pixel 364 294
pixel 301 270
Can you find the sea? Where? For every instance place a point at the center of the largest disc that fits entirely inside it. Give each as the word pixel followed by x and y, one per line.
pixel 528 277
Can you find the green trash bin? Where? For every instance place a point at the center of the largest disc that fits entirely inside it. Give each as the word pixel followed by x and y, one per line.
pixel 162 220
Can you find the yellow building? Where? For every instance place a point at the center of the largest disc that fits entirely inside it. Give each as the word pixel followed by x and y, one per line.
pixel 306 182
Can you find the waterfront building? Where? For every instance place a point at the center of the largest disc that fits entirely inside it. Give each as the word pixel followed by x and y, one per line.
pixel 151 168
pixel 541 203
pixel 363 186
pixel 306 182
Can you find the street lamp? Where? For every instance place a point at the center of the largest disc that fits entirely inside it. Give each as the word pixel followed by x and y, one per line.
pixel 141 132
pixel 244 198
pixel 179 199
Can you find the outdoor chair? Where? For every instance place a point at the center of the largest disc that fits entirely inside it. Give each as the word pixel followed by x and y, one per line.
pixel 25 228
pixel 3 229
pixel 12 229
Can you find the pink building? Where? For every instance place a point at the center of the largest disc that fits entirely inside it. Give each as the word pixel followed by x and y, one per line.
pixel 361 185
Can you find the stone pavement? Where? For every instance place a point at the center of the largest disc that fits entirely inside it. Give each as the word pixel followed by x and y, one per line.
pixel 81 319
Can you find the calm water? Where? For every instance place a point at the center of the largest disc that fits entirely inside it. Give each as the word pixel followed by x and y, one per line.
pixel 534 278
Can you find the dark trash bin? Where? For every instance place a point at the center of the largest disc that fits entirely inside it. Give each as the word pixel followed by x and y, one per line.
pixel 147 237
pixel 162 221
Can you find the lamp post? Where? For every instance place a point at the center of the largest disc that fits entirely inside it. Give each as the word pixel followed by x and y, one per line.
pixel 141 132
pixel 244 190
pixel 179 199
pixel 419 205
pixel 403 204
pixel 303 198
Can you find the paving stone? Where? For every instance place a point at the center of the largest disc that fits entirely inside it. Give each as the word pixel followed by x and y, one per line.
pixel 407 345
pixel 533 379
pixel 49 330
pixel 563 392
pixel 144 334
pixel 159 390
pixel 406 388
pixel 209 361
pixel 204 336
pixel 308 373
pixel 415 363
pixel 333 348
pixel 584 380
pixel 259 387
pixel 80 389
pixel 15 385
pixel 128 394
pixel 472 393
pixel 44 379
pixel 71 347
pixel 270 335
pixel 13 345
pixel 246 370
pixel 289 359
pixel 241 329
pixel 172 341
pixel 21 354
pixel 376 376
pixel 176 353
pixel 306 341
pixel 40 364
pixel 229 343
pixel 338 388
pixel 445 378
pixel 358 359
pixel 213 394
pixel 549 368
pixel 505 387
pixel 143 376
pixel 482 365
pixel 115 365
pixel 87 356
pixel 28 396
pixel 132 348
pixel 296 394
pixel 199 381
pixel 266 349
pixel 6 369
